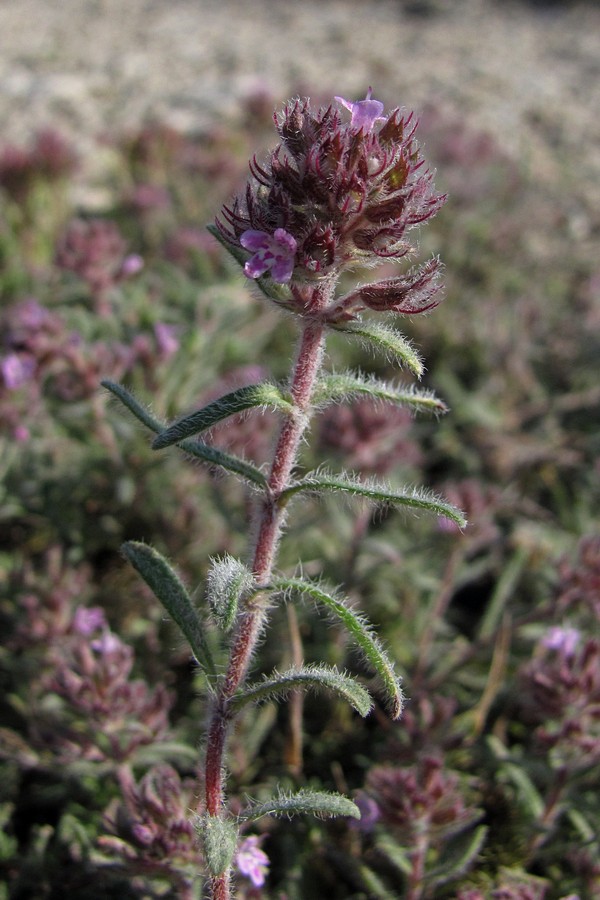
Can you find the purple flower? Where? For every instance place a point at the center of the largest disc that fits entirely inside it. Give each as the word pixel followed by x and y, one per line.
pixel 252 861
pixel 107 645
pixel 17 368
pixel 166 339
pixel 275 252
pixel 88 619
pixel 132 264
pixel 564 640
pixel 365 113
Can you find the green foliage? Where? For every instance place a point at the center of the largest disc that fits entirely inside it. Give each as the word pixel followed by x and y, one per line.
pixel 386 340
pixel 359 629
pixel 168 588
pixel 204 452
pixel 321 804
pixel 345 386
pixel 228 582
pixel 219 838
pixel 461 616
pixel 255 395
pixel 306 678
pixel 376 492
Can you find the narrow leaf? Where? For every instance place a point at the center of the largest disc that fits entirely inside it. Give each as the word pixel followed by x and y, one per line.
pixel 206 453
pixel 227 582
pixel 133 405
pixel 415 498
pixel 168 588
pixel 458 856
pixel 307 678
pixel 304 802
pixel 392 343
pixel 215 457
pixel 346 385
pixel 360 630
pixel 237 401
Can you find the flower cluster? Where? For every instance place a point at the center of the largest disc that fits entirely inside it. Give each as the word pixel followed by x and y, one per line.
pixel 579 588
pixel 150 830
pixel 40 356
pixel 334 195
pixel 560 694
pixel 96 252
pixel 106 715
pixel 49 156
pixel 424 798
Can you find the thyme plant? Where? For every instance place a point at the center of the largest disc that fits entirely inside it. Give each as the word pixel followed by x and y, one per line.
pixel 338 192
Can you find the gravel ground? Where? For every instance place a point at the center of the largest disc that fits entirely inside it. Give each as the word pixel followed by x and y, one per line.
pixel 527 72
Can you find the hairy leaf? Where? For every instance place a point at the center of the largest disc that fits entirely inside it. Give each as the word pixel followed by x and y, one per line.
pixel 168 588
pixel 305 802
pixel 249 397
pixel 204 452
pixel 307 678
pixel 359 628
pixel 227 582
pixel 392 343
pixel 415 498
pixel 346 385
pixel 219 839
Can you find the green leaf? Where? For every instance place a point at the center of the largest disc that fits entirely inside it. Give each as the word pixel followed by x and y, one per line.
pixel 304 802
pixel 415 498
pixel 207 454
pixel 392 343
pixel 459 854
pixel 219 838
pixel 133 405
pixel 394 852
pixel 237 401
pixel 527 793
pixel 346 385
pixel 271 289
pixel 214 457
pixel 359 628
pixel 167 587
pixel 307 678
pixel 227 582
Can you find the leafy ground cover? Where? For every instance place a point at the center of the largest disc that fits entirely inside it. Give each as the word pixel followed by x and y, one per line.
pixel 487 787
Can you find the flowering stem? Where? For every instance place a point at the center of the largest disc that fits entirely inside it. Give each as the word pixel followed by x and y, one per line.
pixel 269 519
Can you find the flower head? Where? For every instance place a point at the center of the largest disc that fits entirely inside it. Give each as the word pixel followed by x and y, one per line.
pixel 274 252
pixel 365 113
pixel 252 861
pixel 333 195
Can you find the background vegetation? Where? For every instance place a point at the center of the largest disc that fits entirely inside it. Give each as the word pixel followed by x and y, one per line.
pixel 488 785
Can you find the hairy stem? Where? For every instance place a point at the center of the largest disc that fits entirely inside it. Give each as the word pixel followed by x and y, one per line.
pixel 269 520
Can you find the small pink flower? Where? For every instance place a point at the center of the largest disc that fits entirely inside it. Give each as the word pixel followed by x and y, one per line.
pixel 166 339
pixel 365 113
pixel 252 861
pixel 275 252
pixel 107 645
pixel 16 369
pixel 88 619
pixel 564 640
pixel 132 264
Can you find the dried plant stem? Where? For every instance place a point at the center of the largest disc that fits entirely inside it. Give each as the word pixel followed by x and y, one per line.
pixel 268 524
